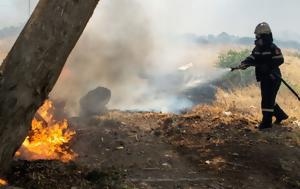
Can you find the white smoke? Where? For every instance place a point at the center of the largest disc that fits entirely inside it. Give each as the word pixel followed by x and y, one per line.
pixel 143 69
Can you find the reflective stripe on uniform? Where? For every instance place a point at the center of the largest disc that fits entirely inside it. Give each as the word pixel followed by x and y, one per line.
pixel 252 57
pixel 267 110
pixel 277 57
pixel 266 53
pixel 263 53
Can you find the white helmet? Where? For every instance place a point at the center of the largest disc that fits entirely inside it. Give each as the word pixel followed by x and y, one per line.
pixel 262 28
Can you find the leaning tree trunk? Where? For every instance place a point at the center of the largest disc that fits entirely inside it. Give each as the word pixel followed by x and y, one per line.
pixel 34 64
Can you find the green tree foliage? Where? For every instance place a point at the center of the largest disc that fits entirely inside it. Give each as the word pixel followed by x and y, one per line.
pixel 238 78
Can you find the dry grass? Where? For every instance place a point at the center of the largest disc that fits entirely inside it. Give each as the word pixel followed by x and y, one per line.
pixel 247 100
pixel 243 100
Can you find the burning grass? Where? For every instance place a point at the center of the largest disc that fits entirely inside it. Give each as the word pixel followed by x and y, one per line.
pixel 3 182
pixel 49 139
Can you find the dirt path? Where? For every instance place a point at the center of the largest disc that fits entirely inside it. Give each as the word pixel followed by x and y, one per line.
pixel 131 142
pixel 190 151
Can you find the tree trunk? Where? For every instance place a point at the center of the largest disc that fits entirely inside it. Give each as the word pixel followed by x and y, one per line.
pixel 33 66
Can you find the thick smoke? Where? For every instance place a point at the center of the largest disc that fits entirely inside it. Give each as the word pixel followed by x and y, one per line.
pixel 113 52
pixel 120 51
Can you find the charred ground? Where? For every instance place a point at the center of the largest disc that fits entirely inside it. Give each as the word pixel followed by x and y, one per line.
pixel 206 147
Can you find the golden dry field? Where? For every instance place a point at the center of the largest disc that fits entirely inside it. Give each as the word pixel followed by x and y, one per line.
pixel 247 99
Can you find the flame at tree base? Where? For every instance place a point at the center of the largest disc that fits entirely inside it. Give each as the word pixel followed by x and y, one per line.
pixel 3 182
pixel 48 139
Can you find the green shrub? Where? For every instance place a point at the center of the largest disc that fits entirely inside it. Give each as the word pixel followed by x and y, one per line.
pixel 232 58
pixel 238 78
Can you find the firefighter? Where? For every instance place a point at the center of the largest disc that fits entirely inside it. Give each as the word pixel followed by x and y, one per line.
pixel 266 57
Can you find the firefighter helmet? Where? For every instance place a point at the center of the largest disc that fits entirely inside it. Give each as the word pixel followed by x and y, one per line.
pixel 262 28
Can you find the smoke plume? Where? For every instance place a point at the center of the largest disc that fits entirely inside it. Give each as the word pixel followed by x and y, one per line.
pixel 144 71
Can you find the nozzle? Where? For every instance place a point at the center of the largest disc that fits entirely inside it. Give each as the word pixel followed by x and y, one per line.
pixel 235 68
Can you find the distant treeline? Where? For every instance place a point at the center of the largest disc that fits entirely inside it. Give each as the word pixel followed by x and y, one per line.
pixel 222 38
pixel 10 31
pixel 225 38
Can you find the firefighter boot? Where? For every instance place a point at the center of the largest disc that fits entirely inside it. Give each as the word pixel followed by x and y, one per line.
pixel 266 121
pixel 279 114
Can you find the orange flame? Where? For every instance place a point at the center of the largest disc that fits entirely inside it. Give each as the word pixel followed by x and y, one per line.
pixel 48 139
pixel 3 182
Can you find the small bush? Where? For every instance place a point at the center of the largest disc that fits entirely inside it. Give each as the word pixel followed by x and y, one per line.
pixel 238 78
pixel 232 58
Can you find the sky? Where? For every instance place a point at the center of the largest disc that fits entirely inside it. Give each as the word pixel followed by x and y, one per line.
pixel 233 16
pixel 237 17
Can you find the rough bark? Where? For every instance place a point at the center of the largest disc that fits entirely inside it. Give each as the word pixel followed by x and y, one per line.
pixel 33 66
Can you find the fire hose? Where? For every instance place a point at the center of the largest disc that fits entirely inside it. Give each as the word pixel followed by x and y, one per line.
pixel 275 75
